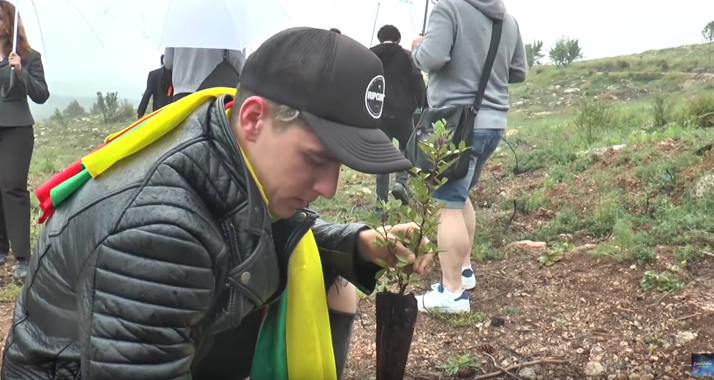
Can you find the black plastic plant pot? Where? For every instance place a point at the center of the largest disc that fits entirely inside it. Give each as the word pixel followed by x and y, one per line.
pixel 396 319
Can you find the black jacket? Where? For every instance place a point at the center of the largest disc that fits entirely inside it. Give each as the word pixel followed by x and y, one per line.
pixel 14 109
pixel 156 90
pixel 138 271
pixel 405 84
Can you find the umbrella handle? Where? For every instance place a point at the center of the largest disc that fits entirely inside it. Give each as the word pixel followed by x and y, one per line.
pixel 5 91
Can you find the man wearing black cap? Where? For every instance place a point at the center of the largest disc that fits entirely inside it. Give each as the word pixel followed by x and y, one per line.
pixel 161 268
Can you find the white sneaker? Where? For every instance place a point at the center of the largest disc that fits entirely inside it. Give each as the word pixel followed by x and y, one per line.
pixel 436 301
pixel 468 280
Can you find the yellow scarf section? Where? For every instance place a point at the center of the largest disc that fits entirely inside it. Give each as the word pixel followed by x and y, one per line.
pixel 309 339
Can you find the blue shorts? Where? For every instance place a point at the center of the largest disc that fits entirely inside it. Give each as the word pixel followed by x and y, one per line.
pixel 455 193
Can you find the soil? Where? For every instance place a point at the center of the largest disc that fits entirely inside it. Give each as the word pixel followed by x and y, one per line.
pixel 580 309
pixel 6 308
pixel 588 310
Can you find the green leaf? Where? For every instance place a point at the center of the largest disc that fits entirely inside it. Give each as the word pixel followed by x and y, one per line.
pixel 382 263
pixel 402 259
pixel 380 273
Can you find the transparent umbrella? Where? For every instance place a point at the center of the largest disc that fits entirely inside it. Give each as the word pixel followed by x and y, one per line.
pixel 216 24
pixel 32 8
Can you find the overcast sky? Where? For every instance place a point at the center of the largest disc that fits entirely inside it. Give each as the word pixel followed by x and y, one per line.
pixel 604 27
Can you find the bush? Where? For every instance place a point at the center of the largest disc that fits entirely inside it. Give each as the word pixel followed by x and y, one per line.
pixel 661 111
pixel 565 51
pixel 593 117
pixel 74 110
pixel 700 111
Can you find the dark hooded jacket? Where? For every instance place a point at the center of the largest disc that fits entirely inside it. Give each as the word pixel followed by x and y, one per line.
pixel 405 84
pixel 140 272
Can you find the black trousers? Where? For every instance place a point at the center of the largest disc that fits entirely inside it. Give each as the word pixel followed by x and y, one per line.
pixel 16 146
pixel 400 128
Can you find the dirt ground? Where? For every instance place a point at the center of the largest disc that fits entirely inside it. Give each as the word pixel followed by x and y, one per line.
pixel 586 310
pixel 582 310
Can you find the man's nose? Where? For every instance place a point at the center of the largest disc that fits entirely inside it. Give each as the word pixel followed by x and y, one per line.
pixel 326 184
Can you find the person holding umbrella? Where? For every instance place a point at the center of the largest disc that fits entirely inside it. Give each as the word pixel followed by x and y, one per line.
pixel 21 76
pixel 184 249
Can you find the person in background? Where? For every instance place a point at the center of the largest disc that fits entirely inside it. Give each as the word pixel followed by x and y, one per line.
pixel 155 91
pixel 21 75
pixel 196 69
pixel 404 94
pixel 453 52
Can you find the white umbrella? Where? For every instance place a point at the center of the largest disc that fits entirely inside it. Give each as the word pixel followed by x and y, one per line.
pixel 31 15
pixel 216 24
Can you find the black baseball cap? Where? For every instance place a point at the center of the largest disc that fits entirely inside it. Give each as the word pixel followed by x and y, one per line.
pixel 337 84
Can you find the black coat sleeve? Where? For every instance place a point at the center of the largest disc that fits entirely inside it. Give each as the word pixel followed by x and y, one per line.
pixel 150 88
pixel 337 244
pixel 146 288
pixel 31 80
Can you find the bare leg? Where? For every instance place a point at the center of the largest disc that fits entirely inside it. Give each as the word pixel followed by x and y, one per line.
pixel 453 239
pixel 470 220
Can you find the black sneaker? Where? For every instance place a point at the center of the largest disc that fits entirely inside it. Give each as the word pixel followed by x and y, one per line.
pixel 19 273
pixel 400 192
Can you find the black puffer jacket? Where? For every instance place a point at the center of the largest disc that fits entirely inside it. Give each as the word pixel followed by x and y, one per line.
pixel 136 274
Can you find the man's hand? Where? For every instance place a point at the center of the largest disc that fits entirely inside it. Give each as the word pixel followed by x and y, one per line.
pixel 370 250
pixel 15 62
pixel 416 42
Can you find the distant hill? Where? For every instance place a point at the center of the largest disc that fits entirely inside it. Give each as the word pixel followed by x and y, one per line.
pixel 63 92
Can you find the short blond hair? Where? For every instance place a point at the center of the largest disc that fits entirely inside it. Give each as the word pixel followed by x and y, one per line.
pixel 284 115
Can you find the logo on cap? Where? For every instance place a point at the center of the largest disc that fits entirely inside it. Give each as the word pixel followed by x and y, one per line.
pixel 374 98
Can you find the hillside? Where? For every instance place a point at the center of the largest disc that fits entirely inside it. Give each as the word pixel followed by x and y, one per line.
pixel 595 241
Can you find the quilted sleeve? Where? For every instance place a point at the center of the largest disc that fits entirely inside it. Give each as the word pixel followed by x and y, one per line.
pixel 339 256
pixel 145 290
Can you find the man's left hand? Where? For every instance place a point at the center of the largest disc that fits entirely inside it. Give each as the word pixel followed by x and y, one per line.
pixel 15 62
pixel 416 42
pixel 370 250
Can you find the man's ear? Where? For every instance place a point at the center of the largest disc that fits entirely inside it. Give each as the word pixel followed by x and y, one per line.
pixel 251 117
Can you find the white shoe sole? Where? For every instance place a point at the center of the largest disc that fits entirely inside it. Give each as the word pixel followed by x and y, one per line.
pixel 444 310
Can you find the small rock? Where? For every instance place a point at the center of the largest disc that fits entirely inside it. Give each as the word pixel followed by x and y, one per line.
pixel 683 337
pixel 594 369
pixel 527 373
pixel 653 358
pixel 647 376
pixel 635 376
pixel 612 377
pixel 528 245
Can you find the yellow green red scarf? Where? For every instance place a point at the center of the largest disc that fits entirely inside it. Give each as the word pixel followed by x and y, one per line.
pixel 295 340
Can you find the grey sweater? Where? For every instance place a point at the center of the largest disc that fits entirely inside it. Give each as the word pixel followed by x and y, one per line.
pixel 454 51
pixel 191 66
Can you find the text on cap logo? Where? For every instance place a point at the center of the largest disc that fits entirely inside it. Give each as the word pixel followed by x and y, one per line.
pixel 374 98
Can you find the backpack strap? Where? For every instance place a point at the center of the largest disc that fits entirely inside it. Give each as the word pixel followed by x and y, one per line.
pixel 488 66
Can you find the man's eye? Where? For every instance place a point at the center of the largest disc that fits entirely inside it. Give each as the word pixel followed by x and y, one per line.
pixel 313 162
